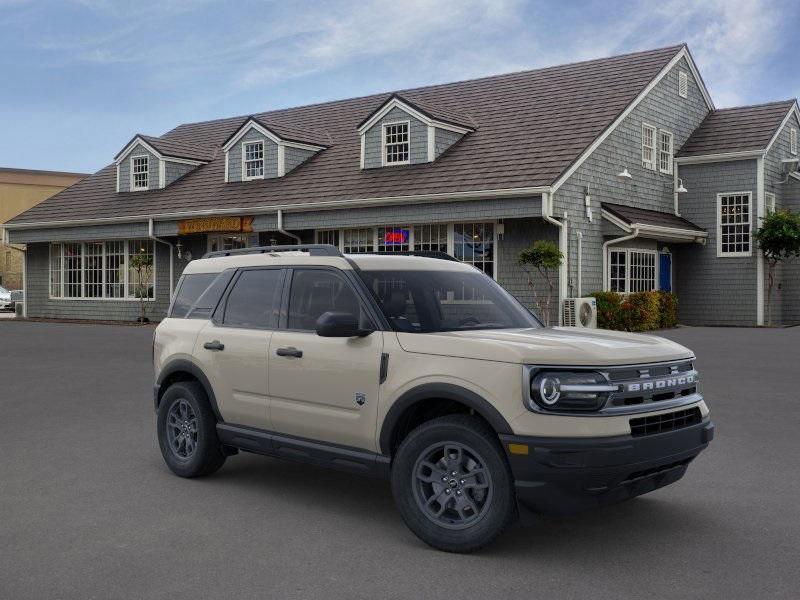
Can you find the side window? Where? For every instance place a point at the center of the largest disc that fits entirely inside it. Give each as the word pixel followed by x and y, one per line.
pixel 254 300
pixel 189 291
pixel 317 291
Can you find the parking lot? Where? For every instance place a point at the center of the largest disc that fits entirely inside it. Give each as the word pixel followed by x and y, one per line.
pixel 88 509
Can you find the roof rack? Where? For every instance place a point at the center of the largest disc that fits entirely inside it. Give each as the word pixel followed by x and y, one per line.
pixel 423 253
pixel 312 249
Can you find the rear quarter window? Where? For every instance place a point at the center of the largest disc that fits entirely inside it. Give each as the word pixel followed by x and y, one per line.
pixel 198 294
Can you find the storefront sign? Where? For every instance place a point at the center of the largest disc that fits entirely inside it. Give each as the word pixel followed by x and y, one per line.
pixel 211 224
pixel 395 237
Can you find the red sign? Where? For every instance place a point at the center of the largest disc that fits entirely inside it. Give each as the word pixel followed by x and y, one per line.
pixel 395 237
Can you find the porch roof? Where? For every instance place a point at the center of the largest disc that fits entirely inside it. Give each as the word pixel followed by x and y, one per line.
pixel 652 223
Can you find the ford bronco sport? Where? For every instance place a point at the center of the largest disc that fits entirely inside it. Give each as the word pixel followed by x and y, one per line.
pixel 422 370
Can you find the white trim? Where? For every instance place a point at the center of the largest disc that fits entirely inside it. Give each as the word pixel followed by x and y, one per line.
pixel 668 170
pixel 134 188
pixel 683 84
pixel 652 165
pixel 793 141
pixel 684 53
pixel 721 254
pixel 627 250
pixel 251 124
pixel 326 204
pixel 721 157
pixel 656 231
pixel 397 103
pixel 263 160
pixel 118 179
pixel 227 161
pixel 363 149
pixel 770 205
pixel 794 110
pixel 183 161
pixel 431 143
pixel 162 173
pixel 760 212
pixel 407 122
pixel 281 160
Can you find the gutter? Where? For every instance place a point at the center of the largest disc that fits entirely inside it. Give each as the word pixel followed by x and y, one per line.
pixel 280 228
pixel 152 236
pixel 618 240
pixel 547 209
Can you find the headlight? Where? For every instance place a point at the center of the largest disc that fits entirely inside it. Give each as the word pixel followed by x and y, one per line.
pixel 570 390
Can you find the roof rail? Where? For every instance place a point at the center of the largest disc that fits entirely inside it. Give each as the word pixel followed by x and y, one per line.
pixel 312 249
pixel 423 253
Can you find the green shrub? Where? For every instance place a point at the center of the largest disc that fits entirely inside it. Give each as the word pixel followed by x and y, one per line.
pixel 640 311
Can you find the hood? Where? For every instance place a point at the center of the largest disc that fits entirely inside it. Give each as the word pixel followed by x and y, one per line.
pixel 548 346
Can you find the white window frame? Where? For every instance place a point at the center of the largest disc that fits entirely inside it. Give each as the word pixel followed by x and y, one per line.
pixel 412 241
pixel 683 84
pixel 720 253
pixel 133 186
pixel 769 202
pixel 384 148
pixel 105 298
pixel 793 141
pixel 665 156
pixel 649 164
pixel 263 160
pixel 628 251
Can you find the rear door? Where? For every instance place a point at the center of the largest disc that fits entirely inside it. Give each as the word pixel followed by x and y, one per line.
pixel 323 388
pixel 233 347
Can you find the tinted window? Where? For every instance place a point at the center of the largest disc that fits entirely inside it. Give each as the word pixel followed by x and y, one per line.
pixel 253 302
pixel 189 291
pixel 431 301
pixel 316 291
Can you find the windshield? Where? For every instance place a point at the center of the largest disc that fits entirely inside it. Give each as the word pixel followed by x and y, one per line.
pixel 3 290
pixel 434 301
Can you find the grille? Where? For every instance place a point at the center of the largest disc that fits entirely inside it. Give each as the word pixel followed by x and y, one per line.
pixel 651 384
pixel 667 422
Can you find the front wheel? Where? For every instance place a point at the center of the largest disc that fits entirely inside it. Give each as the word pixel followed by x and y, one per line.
pixel 452 484
pixel 187 431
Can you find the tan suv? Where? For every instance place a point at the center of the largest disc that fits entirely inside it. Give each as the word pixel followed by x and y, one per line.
pixel 423 370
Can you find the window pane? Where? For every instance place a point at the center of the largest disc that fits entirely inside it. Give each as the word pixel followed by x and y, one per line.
pixel 73 281
pixel 115 269
pixel 141 269
pixel 93 270
pixel 430 238
pixel 140 169
pixel 358 241
pixel 473 243
pixel 393 239
pixel 397 144
pixel 189 291
pixel 316 291
pixel 55 270
pixel 253 301
pixel 734 223
pixel 328 236
pixel 254 159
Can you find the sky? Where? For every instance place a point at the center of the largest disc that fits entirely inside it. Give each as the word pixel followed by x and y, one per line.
pixel 81 77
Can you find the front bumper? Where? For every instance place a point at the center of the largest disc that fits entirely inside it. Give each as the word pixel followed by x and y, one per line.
pixel 568 475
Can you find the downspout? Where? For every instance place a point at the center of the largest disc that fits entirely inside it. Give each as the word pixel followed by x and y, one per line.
pixel 619 240
pixel 675 196
pixel 547 210
pixel 152 236
pixel 6 240
pixel 283 231
pixel 580 261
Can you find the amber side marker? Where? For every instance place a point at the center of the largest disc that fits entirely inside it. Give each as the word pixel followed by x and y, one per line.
pixel 518 449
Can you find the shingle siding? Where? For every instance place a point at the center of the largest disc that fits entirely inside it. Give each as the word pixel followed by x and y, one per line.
pixel 443 139
pixel 88 233
pixel 648 189
pixel 175 170
pixel 125 169
pixel 418 139
pixel 294 157
pixel 270 156
pixel 714 290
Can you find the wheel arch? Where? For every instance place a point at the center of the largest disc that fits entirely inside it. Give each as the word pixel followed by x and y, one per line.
pixel 435 392
pixel 185 370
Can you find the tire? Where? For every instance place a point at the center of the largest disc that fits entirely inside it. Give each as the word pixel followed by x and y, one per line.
pixel 187 431
pixel 480 502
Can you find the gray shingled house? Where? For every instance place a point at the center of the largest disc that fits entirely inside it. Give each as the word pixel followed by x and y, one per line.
pixel 623 161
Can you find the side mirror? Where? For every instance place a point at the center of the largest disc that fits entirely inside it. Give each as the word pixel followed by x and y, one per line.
pixel 340 324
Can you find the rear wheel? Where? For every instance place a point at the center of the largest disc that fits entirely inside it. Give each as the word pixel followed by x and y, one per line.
pixel 452 484
pixel 187 431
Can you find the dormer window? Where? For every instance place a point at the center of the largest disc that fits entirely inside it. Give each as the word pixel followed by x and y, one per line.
pixel 253 160
pixel 140 169
pixel 396 147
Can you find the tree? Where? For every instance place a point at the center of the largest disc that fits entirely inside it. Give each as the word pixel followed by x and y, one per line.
pixel 545 257
pixel 142 267
pixel 779 239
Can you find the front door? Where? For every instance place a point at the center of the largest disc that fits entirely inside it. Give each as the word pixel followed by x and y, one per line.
pixel 323 388
pixel 665 272
pixel 233 348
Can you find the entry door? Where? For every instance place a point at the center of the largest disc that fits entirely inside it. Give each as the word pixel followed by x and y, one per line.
pixel 665 272
pixel 323 388
pixel 233 348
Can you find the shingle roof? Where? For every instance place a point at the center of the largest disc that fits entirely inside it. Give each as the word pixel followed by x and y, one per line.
pixel 175 148
pixel 737 129
pixel 641 216
pixel 435 112
pixel 530 127
pixel 287 132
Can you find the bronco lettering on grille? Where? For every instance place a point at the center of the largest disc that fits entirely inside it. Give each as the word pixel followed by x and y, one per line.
pixel 660 384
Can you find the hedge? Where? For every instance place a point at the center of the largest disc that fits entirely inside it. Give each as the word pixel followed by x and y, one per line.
pixel 640 311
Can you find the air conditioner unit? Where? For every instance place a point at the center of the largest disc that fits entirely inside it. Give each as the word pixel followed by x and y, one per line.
pixel 580 312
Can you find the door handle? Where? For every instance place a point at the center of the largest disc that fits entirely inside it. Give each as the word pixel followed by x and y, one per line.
pixel 215 345
pixel 290 352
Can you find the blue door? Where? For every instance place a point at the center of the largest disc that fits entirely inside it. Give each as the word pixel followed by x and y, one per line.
pixel 665 272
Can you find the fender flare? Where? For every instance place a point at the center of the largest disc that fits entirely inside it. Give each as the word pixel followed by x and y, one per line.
pixel 445 391
pixel 186 366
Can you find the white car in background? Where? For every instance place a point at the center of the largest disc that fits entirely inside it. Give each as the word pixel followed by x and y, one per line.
pixel 5 299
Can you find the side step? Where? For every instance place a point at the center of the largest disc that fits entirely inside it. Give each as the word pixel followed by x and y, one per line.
pixel 332 456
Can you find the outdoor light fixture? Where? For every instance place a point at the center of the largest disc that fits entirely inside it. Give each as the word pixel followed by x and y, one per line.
pixel 179 248
pixel 587 200
pixel 680 189
pixel 624 175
